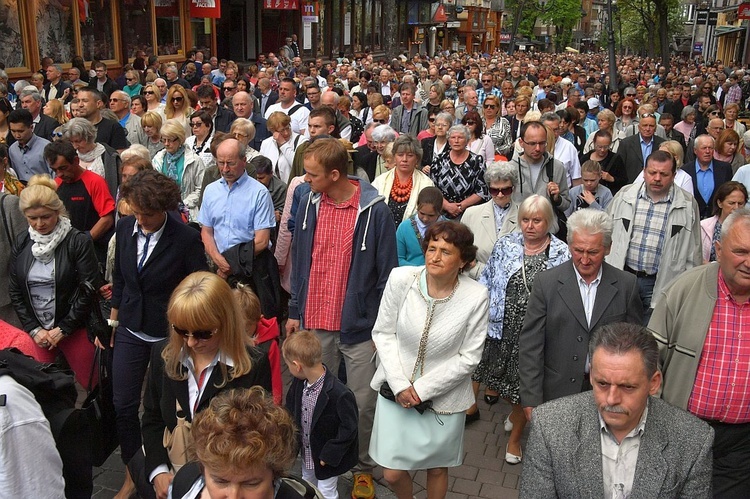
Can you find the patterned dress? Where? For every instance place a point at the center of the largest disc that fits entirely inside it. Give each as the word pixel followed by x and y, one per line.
pixel 498 369
pixel 457 182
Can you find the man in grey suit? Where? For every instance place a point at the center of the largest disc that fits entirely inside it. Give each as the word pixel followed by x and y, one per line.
pixel 618 441
pixel 566 305
pixel 635 149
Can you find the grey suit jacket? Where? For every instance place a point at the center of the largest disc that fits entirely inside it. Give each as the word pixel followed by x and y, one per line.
pixel 630 151
pixel 563 456
pixel 12 225
pixel 554 341
pixel 481 220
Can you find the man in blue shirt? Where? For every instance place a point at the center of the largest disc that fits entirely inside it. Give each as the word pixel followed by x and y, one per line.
pixel 708 174
pixel 236 208
pixel 27 152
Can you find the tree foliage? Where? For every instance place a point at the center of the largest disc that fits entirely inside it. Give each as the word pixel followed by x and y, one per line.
pixel 647 26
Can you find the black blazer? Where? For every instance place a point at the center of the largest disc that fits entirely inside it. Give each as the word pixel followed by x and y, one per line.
pixel 333 432
pixel 223 119
pixel 722 173
pixel 45 127
pixel 630 152
pixel 162 392
pixel 679 137
pixel 367 160
pixel 109 86
pixel 272 98
pixel 142 298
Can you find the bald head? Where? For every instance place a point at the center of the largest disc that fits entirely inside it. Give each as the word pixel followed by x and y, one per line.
pixel 330 99
pixel 715 127
pixel 242 105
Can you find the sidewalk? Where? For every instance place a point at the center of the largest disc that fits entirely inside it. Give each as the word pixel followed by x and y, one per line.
pixel 484 474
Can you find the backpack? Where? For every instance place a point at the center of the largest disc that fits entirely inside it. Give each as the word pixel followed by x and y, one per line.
pixel 358 128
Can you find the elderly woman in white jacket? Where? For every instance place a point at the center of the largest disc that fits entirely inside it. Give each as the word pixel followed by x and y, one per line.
pixel 181 164
pixel 429 336
pixel 401 185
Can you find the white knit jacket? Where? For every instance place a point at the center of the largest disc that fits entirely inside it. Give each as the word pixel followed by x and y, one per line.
pixel 454 346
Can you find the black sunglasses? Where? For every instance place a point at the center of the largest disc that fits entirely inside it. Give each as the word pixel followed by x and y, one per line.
pixel 198 335
pixel 506 191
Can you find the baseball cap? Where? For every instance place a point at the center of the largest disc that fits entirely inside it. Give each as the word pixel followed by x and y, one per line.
pixel 593 103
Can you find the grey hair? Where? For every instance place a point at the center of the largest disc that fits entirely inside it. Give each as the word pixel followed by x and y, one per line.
pixel 539 204
pixel 408 144
pixel 687 110
pixel 80 128
pixel 463 129
pixel 471 82
pixel 499 171
pixel 445 117
pixel 30 90
pixel 591 222
pixel 738 215
pixel 550 116
pixel 700 140
pixel 383 133
pixel 20 85
pixel 620 338
pixel 123 95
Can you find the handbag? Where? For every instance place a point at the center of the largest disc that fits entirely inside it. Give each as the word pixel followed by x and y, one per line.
pixel 179 440
pixel 96 324
pixel 387 393
pixel 99 410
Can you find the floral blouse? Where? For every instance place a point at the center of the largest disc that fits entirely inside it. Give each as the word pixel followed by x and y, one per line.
pixel 501 137
pixel 457 182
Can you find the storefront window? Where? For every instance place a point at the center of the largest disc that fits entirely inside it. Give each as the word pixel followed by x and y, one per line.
pixel 168 35
pixel 11 42
pixel 54 27
pixel 96 30
pixel 135 25
pixel 201 30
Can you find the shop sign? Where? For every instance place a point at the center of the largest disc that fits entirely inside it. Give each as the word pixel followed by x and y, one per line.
pixel 166 8
pixel 743 12
pixel 205 8
pixel 281 4
pixel 310 12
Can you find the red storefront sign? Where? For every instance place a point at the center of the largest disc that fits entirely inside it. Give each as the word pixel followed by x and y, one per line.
pixel 743 12
pixel 281 4
pixel 205 8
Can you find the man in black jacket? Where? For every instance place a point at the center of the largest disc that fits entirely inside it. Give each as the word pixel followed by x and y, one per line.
pixel 31 100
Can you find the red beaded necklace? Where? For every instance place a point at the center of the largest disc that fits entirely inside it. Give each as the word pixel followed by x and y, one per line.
pixel 400 193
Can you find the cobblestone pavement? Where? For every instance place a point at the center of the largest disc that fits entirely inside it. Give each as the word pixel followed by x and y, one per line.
pixel 484 473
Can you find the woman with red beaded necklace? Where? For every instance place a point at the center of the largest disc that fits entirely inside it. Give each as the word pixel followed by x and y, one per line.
pixel 401 185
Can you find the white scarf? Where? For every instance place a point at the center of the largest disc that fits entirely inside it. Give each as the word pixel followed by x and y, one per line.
pixel 44 245
pixel 92 160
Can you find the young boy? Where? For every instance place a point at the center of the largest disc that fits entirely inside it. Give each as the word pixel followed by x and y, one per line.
pixel 325 411
pixel 589 194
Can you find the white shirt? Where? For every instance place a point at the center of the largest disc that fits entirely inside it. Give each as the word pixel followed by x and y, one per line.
pixel 588 292
pixel 566 153
pixel 619 460
pixel 299 118
pixel 282 157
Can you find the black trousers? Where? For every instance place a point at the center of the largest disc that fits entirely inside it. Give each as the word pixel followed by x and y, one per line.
pixel 731 473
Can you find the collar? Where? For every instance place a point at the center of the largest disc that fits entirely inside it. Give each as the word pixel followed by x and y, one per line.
pixel 699 169
pixel 187 361
pixel 157 233
pixel 29 143
pixel 651 140
pixel 644 195
pixel 724 292
pixel 638 430
pixel 580 280
pixel 318 382
pixel 241 180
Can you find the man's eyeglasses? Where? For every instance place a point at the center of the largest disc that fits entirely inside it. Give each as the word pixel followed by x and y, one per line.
pixel 198 335
pixel 229 88
pixel 505 191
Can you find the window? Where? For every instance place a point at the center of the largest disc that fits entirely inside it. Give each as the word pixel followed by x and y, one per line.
pixel 201 30
pixel 135 26
pixel 97 40
pixel 168 34
pixel 54 27
pixel 11 41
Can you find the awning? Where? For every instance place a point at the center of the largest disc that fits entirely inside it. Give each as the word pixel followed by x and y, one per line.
pixel 725 30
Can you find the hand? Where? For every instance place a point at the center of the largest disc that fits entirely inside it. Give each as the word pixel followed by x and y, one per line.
pixel 452 209
pixel 408 398
pixel 553 190
pixel 426 170
pixel 322 463
pixel 527 412
pixel 54 336
pixel 161 484
pixel 224 270
pixel 106 291
pixel 292 326
pixel 42 338
pixel 588 197
pixel 607 177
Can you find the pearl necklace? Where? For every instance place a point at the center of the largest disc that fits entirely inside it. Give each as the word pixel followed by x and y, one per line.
pixel 536 250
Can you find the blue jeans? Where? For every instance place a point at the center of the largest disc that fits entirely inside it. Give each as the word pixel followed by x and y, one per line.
pixel 129 363
pixel 646 292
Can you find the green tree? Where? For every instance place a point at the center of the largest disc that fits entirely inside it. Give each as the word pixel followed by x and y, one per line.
pixel 563 15
pixel 390 41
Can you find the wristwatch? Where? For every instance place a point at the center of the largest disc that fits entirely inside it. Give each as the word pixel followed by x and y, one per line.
pixel 113 322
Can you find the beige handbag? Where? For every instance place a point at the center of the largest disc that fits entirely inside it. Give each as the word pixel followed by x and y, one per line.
pixel 178 441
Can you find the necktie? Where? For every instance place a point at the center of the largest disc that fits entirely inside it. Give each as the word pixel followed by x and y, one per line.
pixel 145 249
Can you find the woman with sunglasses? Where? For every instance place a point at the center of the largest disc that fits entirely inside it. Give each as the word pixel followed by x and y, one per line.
pixel 432 147
pixel 480 143
pixel 202 126
pixel 709 114
pixel 208 352
pixel 497 127
pixel 381 115
pixel 154 252
pixel 178 107
pixel 626 114
pixel 153 98
pixel 133 85
pixel 181 164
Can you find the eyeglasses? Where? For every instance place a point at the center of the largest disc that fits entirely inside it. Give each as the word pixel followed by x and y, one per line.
pixel 238 135
pixel 648 115
pixel 228 88
pixel 198 335
pixel 194 124
pixel 536 144
pixel 129 79
pixel 714 113
pixel 168 140
pixel 114 100
pixel 177 99
pixel 486 81
pixel 505 191
pixel 149 92
pixel 490 106
pixel 382 122
pixel 431 120
pixel 471 122
pixel 547 86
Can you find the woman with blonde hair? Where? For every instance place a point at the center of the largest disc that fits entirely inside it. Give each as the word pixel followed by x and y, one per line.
pixel 731 111
pixel 153 98
pixel 178 107
pixel 208 352
pixel 151 123
pixel 55 109
pixel 181 164
pixel 606 120
pixel 381 114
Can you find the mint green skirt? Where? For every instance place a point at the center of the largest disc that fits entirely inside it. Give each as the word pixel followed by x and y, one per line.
pixel 403 439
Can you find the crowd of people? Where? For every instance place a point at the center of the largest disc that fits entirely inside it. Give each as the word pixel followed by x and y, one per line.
pixel 405 236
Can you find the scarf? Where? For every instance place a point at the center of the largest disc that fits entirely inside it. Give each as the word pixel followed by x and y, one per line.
pixel 44 245
pixel 174 164
pixel 92 160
